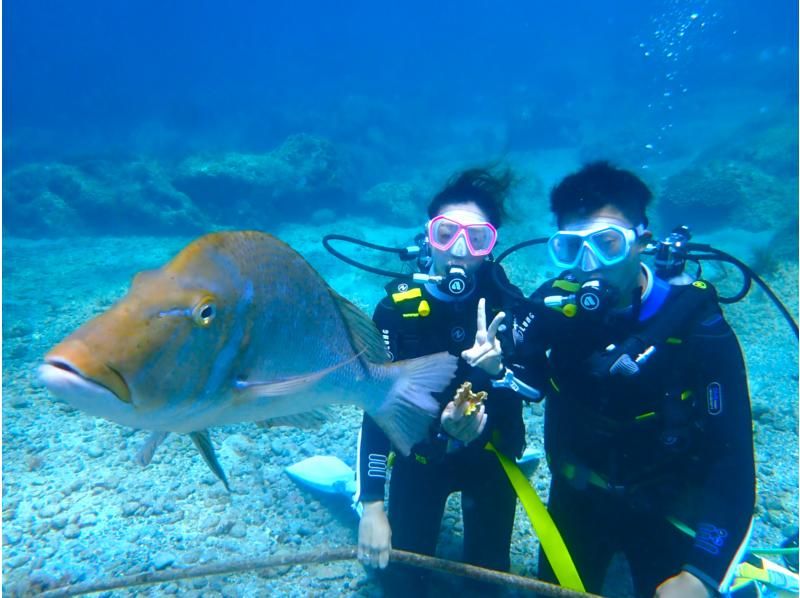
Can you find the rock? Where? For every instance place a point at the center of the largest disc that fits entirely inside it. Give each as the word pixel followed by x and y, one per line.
pixel 59 522
pixel 50 510
pixel 87 519
pixel 238 530
pixel 277 447
pixel 304 174
pixel 399 202
pixel 92 196
pixel 72 531
pixel 19 401
pixel 18 330
pixel 330 571
pixel 162 560
pixel 16 561
pixel 94 451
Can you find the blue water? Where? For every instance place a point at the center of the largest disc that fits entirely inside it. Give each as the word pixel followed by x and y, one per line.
pixel 130 127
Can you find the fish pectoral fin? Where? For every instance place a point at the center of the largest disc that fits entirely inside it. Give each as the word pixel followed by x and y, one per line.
pixel 285 386
pixel 148 449
pixel 202 440
pixel 311 420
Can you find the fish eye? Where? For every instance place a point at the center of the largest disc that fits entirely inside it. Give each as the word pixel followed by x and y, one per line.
pixel 204 313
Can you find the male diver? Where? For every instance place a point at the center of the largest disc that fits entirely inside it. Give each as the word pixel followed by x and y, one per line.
pixel 648 430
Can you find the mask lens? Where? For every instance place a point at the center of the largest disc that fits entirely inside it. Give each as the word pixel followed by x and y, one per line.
pixel 482 238
pixel 609 243
pixel 443 232
pixel 565 248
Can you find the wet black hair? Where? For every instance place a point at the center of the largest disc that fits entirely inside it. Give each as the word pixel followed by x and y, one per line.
pixel 488 190
pixel 600 184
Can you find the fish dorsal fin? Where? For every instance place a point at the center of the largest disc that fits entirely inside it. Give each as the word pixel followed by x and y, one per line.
pixel 365 336
pixel 311 420
pixel 202 440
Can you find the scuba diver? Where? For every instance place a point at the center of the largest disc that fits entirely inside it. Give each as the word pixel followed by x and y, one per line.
pixel 431 312
pixel 647 422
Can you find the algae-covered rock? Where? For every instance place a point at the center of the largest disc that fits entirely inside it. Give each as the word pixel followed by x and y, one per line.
pixel 748 180
pixel 97 196
pixel 717 193
pixel 304 174
pixel 400 203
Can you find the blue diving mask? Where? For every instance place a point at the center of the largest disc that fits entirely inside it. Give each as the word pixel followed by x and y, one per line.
pixel 603 244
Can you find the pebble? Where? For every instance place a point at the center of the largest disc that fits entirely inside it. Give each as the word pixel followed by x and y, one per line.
pixel 72 531
pixel 238 530
pixel 210 523
pixel 87 519
pixel 59 522
pixel 11 538
pixel 163 560
pixel 18 401
pixel 17 561
pixel 50 510
pixel 129 508
pixel 18 330
pixel 94 451
pixel 329 572
pixel 277 447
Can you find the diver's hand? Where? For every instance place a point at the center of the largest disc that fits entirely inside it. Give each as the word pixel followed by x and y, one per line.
pixel 486 352
pixel 374 535
pixel 462 427
pixel 683 585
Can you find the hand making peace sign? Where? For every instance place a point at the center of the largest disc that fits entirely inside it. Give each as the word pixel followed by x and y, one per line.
pixel 486 353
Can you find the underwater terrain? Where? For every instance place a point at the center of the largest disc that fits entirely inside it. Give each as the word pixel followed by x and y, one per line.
pixel 148 157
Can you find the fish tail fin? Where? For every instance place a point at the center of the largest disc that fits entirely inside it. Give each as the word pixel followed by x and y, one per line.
pixel 409 409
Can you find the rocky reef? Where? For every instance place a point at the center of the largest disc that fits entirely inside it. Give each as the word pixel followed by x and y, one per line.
pixel 136 195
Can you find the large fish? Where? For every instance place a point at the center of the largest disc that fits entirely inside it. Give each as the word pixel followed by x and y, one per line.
pixel 238 327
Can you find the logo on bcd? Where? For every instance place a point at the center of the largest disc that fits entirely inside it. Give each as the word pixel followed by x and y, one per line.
pixel 714 398
pixel 590 301
pixel 402 287
pixel 458 334
pixel 456 286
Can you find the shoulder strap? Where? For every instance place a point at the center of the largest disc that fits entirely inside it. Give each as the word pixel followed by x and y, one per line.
pixel 680 308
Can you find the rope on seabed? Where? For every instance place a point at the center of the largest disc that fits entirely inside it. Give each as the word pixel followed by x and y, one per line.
pixel 304 558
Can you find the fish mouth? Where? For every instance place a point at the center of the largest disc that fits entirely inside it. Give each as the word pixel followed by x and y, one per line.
pixel 61 375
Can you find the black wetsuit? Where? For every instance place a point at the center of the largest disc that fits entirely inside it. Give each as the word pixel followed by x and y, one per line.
pixel 421 482
pixel 632 455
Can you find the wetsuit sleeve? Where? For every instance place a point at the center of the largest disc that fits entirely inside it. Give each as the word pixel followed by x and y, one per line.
pixel 528 359
pixel 728 490
pixel 373 445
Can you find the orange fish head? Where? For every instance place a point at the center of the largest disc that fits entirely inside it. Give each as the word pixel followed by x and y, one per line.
pixel 148 357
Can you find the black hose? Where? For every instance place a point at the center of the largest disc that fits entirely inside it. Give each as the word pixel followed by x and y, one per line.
pixel 399 250
pixel 749 274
